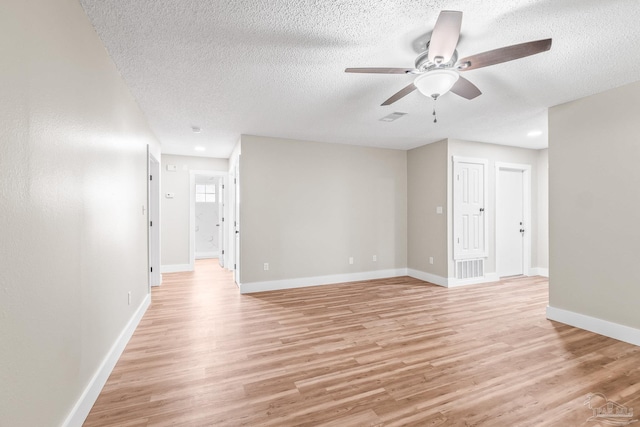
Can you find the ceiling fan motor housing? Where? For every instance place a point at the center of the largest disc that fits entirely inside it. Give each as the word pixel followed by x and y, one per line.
pixel 423 63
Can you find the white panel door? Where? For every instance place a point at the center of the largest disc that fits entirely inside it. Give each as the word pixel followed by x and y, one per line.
pixel 510 223
pixel 469 222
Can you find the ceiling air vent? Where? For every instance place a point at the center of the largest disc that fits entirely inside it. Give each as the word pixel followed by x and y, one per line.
pixel 392 117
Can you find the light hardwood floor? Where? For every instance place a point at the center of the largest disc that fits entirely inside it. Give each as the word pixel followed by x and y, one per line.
pixel 394 352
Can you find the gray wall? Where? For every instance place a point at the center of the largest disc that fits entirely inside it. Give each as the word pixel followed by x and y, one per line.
pixel 307 207
pixel 174 233
pixel 543 210
pixel 426 190
pixel 593 199
pixel 73 236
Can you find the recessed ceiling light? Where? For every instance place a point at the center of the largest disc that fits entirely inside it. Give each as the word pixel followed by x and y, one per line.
pixel 196 129
pixel 200 148
pixel 534 133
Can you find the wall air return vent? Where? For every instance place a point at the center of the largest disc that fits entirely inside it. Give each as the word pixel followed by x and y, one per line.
pixel 469 268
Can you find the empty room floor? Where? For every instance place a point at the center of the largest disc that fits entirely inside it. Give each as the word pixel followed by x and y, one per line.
pixel 390 352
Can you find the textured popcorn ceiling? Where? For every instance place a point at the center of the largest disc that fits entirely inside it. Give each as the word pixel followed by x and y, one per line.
pixel 276 68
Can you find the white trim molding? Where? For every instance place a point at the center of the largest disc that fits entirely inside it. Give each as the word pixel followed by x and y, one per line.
pixel 303 282
pixel 176 268
pixel 603 327
pixel 428 277
pixel 207 255
pixel 452 282
pixel 487 278
pixel 539 271
pixel 83 406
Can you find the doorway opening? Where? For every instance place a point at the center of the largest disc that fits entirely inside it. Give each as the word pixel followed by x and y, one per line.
pixel 207 216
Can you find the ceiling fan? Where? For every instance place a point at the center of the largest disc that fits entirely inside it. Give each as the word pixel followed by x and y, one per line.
pixel 438 67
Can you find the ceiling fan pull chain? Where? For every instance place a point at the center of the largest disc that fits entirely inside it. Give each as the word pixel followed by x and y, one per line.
pixel 435 118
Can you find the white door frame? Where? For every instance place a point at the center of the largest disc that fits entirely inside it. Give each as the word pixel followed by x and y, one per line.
pixel 221 219
pixel 526 194
pixel 232 255
pixel 153 220
pixel 192 211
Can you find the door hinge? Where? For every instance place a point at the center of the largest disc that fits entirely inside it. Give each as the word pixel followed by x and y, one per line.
pixel 150 177
pixel 151 269
pixel 223 252
pixel 234 266
pixel 150 223
pixel 235 181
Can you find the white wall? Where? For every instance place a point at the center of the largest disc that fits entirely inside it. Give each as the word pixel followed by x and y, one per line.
pixel 73 236
pixel 593 203
pixel 306 207
pixel 175 212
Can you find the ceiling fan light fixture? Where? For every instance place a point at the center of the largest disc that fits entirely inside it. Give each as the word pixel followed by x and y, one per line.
pixel 436 83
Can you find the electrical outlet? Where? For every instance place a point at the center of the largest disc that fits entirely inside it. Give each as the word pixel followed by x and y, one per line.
pixel 266 266
pixel 430 260
pixel 375 258
pixel 350 260
pixel 129 298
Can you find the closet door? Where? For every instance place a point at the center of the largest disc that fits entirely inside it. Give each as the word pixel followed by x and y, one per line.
pixel 469 216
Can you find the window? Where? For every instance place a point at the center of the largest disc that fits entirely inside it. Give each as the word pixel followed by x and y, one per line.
pixel 205 193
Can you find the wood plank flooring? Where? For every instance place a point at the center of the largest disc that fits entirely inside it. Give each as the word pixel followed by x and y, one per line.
pixel 393 352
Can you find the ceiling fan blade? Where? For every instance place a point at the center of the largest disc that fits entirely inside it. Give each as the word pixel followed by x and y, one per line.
pixel 503 54
pixel 380 70
pixel 400 94
pixel 465 88
pixel 445 35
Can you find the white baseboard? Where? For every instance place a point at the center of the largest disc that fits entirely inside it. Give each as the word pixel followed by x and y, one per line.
pixel 593 324
pixel 488 278
pixel 539 271
pixel 428 277
pixel 176 268
pixel 159 280
pixel 450 282
pixel 274 285
pixel 84 404
pixel 207 255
